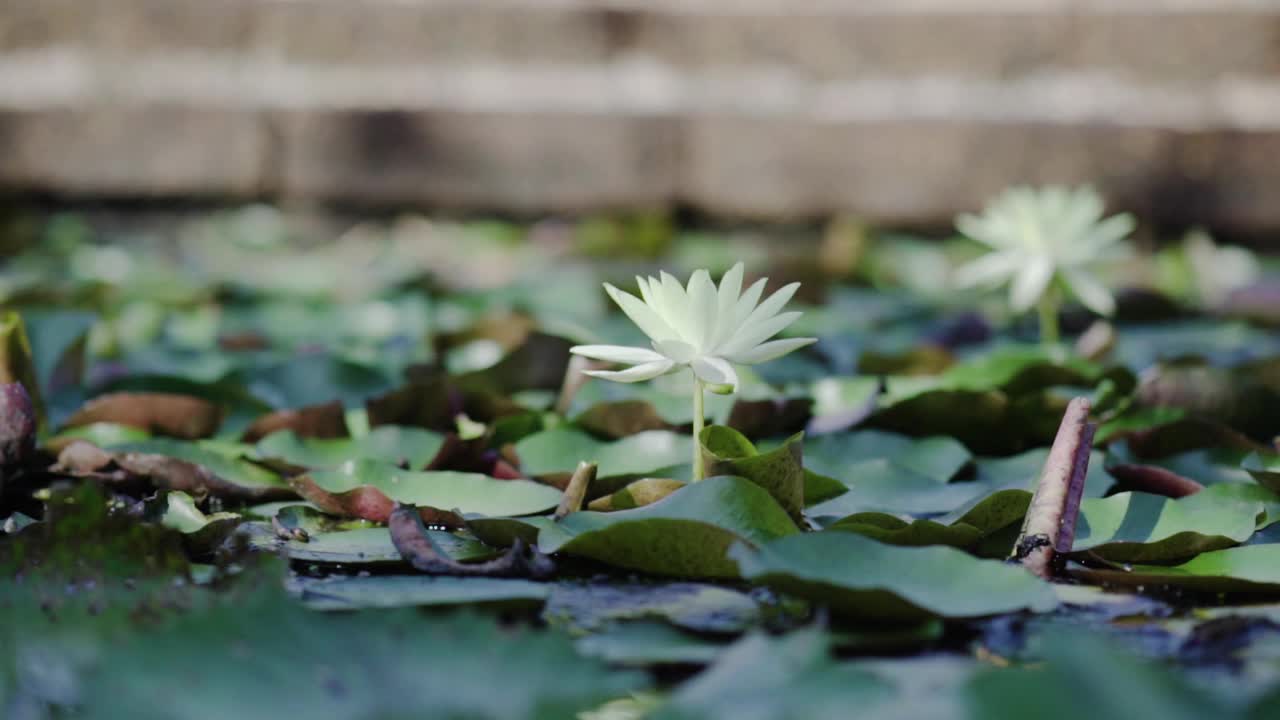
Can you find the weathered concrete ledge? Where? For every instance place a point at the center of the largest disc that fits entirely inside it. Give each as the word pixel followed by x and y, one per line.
pixel 902 111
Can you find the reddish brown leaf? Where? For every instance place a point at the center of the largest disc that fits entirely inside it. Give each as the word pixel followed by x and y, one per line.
pixel 316 421
pixel 83 459
pixel 180 416
pixel 174 474
pixel 1154 479
pixel 366 502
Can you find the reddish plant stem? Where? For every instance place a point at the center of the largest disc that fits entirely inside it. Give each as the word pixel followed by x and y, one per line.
pixel 1050 524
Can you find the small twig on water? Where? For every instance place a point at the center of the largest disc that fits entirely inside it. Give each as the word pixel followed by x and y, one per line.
pixel 410 537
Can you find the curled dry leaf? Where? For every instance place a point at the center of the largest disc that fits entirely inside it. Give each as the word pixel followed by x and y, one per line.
pixel 180 416
pixel 418 549
pixel 325 421
pixel 367 502
pixel 84 459
pixel 645 491
pixel 1050 524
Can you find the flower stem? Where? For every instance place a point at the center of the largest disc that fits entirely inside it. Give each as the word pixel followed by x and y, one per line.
pixel 698 419
pixel 1049 318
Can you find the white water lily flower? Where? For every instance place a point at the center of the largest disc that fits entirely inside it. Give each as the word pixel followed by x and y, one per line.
pixel 1041 236
pixel 705 328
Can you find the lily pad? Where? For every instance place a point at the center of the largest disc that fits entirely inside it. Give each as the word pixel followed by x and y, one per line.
pixel 369 489
pixel 1265 468
pixel 559 450
pixel 867 580
pixel 391 444
pixel 1245 569
pixel 687 534
pixel 641 643
pixel 1140 527
pixel 362 546
pixel 765 678
pixel 726 451
pixel 692 606
pixel 962 528
pixel 940 458
pixel 285 661
pixel 257 481
pixel 387 591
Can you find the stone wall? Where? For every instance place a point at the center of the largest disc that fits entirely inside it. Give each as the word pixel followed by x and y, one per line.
pixel 900 110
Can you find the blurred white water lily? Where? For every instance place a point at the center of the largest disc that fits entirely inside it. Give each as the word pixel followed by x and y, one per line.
pixel 705 328
pixel 1044 239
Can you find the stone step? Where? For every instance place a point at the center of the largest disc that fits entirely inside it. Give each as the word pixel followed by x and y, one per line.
pixel 1178 41
pixel 903 111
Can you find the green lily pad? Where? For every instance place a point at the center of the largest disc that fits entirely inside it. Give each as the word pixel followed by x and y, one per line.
pixel 559 450
pixel 1120 686
pixel 367 483
pixel 182 515
pixel 639 644
pixel 1265 468
pixel 940 458
pixel 391 444
pixel 765 678
pixel 882 486
pixel 362 546
pixel 207 455
pixel 387 591
pixel 687 534
pixel 102 434
pixel 726 451
pixel 282 660
pixel 962 528
pixel 1140 527
pixel 864 579
pixel 1245 569
pixel 692 606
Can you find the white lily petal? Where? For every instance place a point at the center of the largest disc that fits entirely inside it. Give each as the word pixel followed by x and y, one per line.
pixel 752 335
pixel 990 268
pixel 767 309
pixel 617 353
pixel 771 350
pixel 1030 283
pixel 647 295
pixel 746 304
pixel 1091 292
pixel 703 305
pixel 639 373
pixel 979 228
pixel 676 304
pixel 649 322
pixel 678 351
pixel 715 371
pixel 726 300
pixel 1110 231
